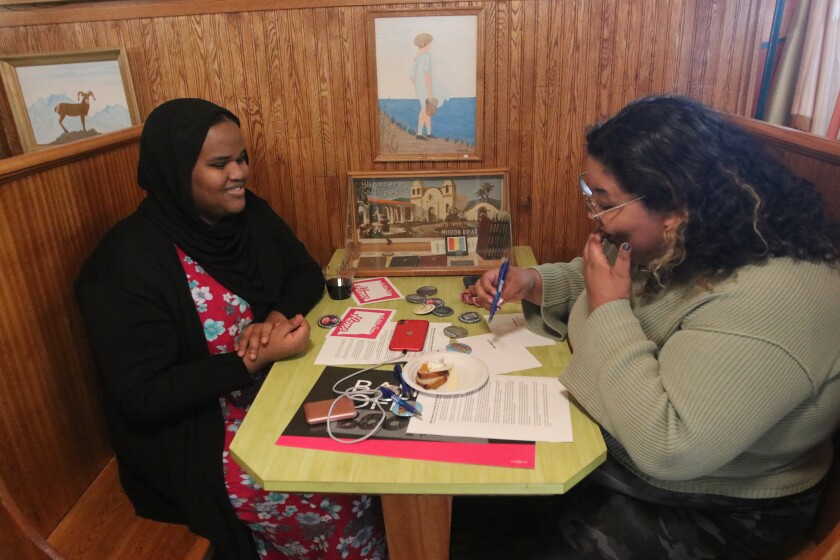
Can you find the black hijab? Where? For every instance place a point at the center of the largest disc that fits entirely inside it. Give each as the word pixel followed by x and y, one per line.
pixel 170 144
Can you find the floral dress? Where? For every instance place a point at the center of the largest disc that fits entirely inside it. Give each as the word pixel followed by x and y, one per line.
pixel 284 525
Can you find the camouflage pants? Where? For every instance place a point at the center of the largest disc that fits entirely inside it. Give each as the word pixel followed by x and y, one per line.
pixel 613 515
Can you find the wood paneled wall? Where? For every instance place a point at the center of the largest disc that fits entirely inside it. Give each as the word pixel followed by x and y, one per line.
pixel 297 77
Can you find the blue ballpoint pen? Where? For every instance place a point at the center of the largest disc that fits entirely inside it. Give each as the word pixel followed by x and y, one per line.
pixel 502 275
pixel 406 389
pixel 394 397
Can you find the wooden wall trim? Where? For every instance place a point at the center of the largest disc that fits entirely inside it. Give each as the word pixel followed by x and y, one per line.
pixel 34 162
pixel 813 158
pixel 793 140
pixel 134 9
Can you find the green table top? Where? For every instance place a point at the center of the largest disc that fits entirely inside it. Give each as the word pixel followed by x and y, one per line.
pixel 558 465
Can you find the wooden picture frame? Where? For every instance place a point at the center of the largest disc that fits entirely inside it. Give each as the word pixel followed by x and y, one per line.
pixel 433 55
pixel 437 222
pixel 58 97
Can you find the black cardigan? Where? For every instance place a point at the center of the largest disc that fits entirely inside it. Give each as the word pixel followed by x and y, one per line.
pixel 162 386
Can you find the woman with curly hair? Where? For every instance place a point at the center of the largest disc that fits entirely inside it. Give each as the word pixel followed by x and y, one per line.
pixel 703 315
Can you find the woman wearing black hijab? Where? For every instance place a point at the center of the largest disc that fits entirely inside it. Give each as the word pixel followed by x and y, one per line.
pixel 187 302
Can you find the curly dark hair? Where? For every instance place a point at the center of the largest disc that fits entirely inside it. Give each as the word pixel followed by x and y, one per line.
pixel 741 205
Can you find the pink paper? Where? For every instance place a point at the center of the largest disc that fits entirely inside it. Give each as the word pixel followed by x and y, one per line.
pixel 362 323
pixel 373 290
pixel 515 455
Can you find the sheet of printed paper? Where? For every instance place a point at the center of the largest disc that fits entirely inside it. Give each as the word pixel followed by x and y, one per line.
pixel 361 323
pixel 374 290
pixel 341 350
pixel 511 328
pixel 508 407
pixel 500 356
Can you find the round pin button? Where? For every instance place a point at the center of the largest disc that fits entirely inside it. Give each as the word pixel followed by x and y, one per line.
pixel 459 347
pixel 442 311
pixel 455 331
pixel 400 411
pixel 328 321
pixel 469 317
pixel 427 291
pixel 415 298
pixel 424 309
pixel 434 301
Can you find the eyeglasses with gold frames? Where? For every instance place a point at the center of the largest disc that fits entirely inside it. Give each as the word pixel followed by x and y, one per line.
pixel 595 212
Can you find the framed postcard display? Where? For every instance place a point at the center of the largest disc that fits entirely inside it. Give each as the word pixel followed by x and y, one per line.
pixel 428 222
pixel 427 84
pixel 59 97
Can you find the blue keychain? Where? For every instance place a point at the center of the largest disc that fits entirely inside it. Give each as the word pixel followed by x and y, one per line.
pixel 406 389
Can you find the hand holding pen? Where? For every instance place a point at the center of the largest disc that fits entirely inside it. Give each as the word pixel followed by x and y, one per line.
pixel 519 284
pixel 503 271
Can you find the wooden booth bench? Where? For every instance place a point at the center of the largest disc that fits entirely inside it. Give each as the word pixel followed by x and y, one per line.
pixel 818 160
pixel 60 494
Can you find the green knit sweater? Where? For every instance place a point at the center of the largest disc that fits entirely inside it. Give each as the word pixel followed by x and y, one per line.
pixel 731 390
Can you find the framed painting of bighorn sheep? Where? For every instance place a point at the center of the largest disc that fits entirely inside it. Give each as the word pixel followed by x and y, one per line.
pixel 58 97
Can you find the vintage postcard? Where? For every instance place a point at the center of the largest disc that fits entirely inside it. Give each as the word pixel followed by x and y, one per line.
pixel 426 207
pixel 428 222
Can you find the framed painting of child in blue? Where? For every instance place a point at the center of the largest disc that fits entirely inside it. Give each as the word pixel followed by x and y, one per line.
pixel 428 84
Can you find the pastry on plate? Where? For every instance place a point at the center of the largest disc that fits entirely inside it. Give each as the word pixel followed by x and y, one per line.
pixel 433 375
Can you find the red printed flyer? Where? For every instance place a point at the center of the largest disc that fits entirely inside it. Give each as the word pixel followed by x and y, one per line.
pixel 372 290
pixel 362 323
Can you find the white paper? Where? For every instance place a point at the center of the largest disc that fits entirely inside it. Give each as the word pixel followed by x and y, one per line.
pixel 500 356
pixel 508 407
pixel 512 329
pixel 346 350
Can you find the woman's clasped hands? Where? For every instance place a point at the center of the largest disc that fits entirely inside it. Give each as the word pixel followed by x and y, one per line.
pixel 276 338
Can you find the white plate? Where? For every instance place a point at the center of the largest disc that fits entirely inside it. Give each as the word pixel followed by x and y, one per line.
pixel 468 373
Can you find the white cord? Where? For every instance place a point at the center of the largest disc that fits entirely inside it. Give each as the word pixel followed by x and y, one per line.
pixel 363 397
